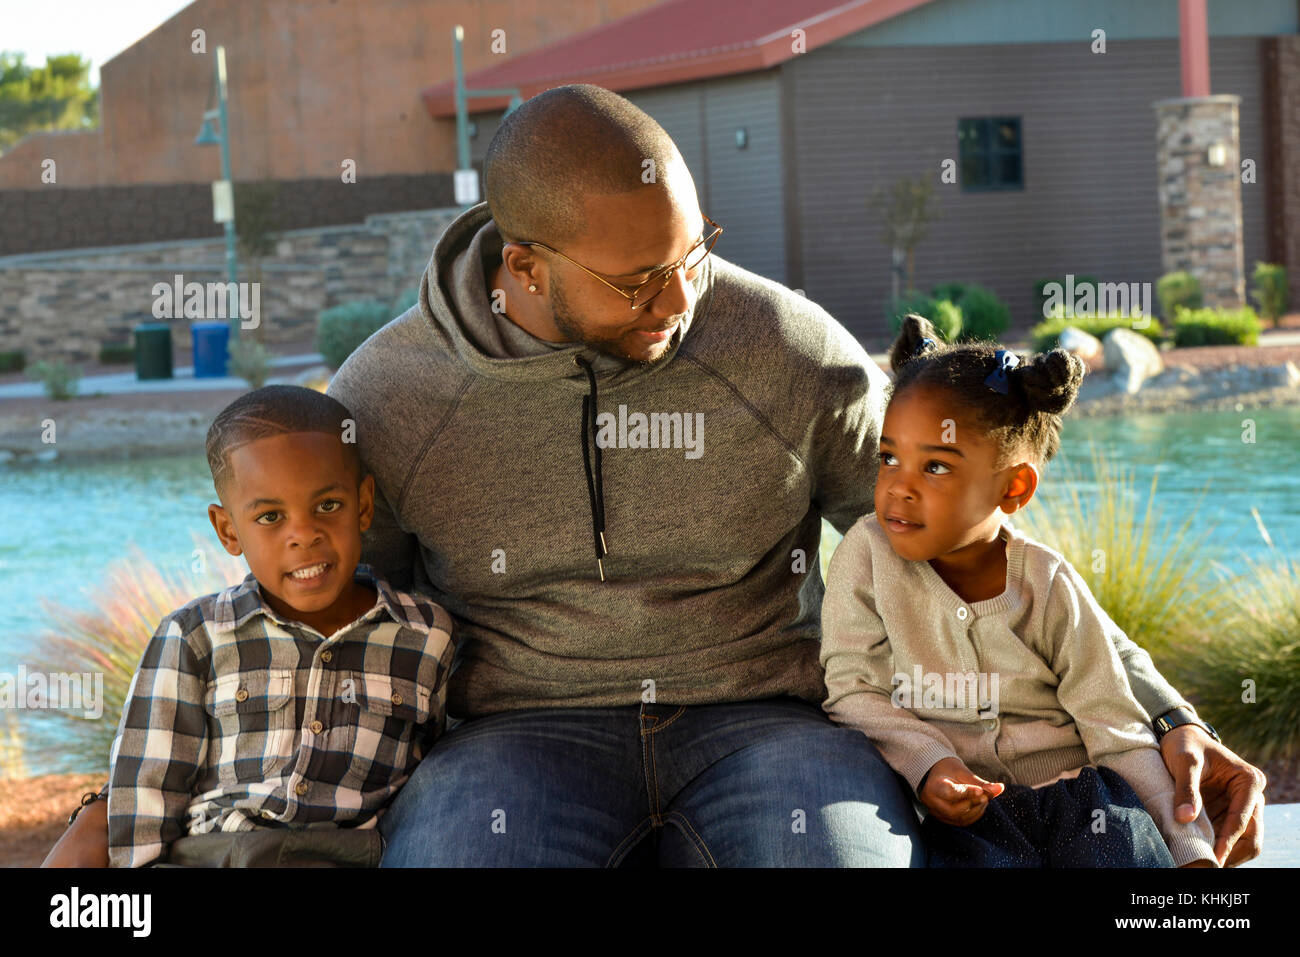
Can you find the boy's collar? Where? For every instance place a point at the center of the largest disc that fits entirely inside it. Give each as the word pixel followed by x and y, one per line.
pixel 238 603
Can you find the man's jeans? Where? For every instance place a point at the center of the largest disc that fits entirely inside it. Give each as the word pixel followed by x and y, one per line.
pixel 762 783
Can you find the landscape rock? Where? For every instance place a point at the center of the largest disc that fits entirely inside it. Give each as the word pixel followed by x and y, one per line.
pixel 1131 358
pixel 1082 344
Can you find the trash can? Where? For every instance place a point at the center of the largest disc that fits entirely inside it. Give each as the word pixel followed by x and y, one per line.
pixel 211 349
pixel 153 350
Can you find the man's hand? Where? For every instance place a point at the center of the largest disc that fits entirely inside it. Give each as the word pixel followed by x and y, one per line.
pixel 955 794
pixel 1233 791
pixel 85 843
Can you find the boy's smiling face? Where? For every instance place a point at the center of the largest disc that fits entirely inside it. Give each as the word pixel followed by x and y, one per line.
pixel 938 492
pixel 294 508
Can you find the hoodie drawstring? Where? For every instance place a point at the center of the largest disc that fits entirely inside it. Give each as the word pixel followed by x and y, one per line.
pixel 595 477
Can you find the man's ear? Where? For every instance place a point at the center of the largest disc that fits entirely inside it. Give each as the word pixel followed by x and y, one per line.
pixel 225 529
pixel 1020 488
pixel 366 501
pixel 522 263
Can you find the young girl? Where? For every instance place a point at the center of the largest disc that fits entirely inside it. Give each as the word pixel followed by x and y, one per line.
pixel 976 659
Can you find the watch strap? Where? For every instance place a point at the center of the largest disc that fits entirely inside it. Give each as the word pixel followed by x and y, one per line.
pixel 1178 717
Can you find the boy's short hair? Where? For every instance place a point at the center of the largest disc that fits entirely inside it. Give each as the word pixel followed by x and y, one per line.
pixel 275 410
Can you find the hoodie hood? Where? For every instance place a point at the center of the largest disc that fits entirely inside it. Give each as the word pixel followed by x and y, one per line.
pixel 455 302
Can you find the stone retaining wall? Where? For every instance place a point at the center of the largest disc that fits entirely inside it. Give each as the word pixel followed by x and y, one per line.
pixel 60 217
pixel 67 304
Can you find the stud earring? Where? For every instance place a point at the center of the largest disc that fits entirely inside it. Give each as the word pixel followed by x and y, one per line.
pixel 532 287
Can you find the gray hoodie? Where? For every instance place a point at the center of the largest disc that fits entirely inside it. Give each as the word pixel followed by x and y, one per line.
pixel 712 473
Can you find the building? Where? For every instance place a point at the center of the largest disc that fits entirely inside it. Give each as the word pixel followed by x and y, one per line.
pixel 787 135
pixel 789 113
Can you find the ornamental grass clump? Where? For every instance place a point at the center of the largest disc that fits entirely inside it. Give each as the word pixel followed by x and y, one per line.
pixel 108 637
pixel 1153 578
pixel 1245 677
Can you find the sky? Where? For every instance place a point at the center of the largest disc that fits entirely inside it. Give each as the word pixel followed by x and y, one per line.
pixel 97 29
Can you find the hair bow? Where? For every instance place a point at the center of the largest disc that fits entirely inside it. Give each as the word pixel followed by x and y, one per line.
pixel 925 343
pixel 997 379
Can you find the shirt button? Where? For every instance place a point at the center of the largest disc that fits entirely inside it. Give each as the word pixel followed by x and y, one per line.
pixel 325 656
pixel 990 723
pixel 397 698
pixel 301 788
pixel 241 694
pixel 317 727
pixel 962 612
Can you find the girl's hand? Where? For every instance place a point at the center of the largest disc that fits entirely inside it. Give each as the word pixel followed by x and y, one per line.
pixel 955 794
pixel 85 843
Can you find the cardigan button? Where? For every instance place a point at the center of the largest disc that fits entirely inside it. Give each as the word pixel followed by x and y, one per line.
pixel 962 612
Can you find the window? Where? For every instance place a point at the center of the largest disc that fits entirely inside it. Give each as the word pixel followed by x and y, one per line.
pixel 990 153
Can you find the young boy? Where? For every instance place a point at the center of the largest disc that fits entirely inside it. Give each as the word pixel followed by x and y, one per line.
pixel 271 723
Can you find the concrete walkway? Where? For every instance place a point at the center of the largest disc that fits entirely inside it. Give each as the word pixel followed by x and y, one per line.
pixel 182 381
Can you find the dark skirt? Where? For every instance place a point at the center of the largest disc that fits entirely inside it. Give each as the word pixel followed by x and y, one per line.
pixel 1093 820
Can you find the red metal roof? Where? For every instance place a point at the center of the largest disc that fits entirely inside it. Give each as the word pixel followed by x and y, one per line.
pixel 673 42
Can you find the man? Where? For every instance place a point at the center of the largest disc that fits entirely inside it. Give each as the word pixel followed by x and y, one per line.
pixel 641 658
pixel 608 454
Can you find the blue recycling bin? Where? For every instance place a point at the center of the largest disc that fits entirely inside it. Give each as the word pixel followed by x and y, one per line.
pixel 211 349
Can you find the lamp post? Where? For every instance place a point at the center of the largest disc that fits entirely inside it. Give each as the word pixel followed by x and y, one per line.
pixel 466 179
pixel 223 195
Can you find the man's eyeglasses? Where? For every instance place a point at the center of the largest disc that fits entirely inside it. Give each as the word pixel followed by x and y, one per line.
pixel 644 292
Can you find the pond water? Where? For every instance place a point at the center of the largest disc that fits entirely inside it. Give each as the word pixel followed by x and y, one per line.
pixel 61 523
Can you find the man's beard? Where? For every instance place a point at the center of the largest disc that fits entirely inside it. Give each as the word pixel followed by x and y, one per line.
pixel 563 319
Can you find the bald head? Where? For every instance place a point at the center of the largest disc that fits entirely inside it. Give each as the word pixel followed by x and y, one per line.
pixel 561 146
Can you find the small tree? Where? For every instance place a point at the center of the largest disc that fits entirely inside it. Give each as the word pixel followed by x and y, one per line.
pixel 256 223
pixel 1269 290
pixel 905 213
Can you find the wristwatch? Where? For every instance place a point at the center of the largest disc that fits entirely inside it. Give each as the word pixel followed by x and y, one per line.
pixel 1178 717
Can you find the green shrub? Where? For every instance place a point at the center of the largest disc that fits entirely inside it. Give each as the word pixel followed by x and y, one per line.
pixel 983 314
pixel 1269 290
pixel 340 329
pixel 952 291
pixel 911 301
pixel 59 378
pixel 947 319
pixel 250 361
pixel 1176 289
pixel 405 300
pixel 116 353
pixel 944 314
pixel 1045 334
pixel 1040 297
pixel 1216 327
pixel 12 361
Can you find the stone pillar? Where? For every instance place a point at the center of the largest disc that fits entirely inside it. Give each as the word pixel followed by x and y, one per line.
pixel 1200 202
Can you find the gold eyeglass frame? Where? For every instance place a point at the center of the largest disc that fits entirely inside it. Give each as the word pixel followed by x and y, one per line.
pixel 667 272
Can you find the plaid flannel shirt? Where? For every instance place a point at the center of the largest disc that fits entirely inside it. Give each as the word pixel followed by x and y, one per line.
pixel 238 718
